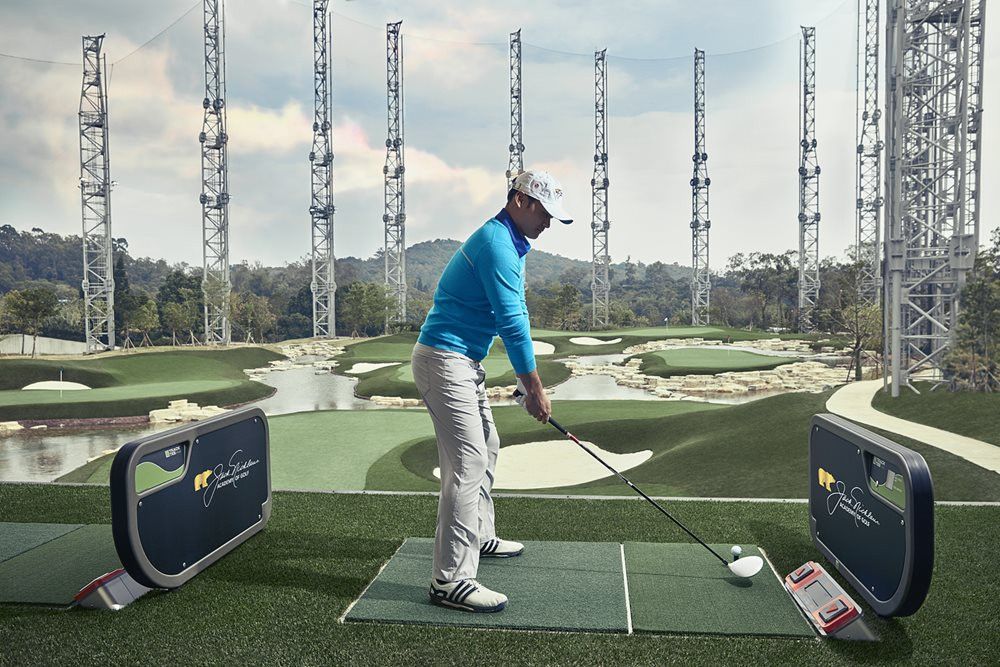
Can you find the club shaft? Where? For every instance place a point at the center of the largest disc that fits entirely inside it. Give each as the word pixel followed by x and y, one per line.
pixel 635 488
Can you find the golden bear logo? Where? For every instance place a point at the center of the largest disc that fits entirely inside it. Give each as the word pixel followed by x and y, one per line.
pixel 201 480
pixel 826 479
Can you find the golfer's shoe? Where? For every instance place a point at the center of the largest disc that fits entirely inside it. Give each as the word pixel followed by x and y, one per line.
pixel 497 548
pixel 467 595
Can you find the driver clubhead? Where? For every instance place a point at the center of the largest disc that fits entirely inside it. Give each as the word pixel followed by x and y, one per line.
pixel 746 566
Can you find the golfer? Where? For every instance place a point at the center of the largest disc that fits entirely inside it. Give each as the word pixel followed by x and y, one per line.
pixel 480 295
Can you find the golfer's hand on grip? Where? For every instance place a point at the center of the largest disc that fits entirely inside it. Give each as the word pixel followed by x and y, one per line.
pixel 535 401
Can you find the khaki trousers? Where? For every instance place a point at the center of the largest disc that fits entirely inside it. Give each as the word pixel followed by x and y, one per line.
pixel 453 388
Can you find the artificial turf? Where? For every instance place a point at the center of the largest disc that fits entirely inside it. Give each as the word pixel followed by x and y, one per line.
pixel 277 598
pixel 132 384
pixel 972 414
pixel 706 361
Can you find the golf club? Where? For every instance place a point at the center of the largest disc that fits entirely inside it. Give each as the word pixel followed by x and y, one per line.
pixel 741 567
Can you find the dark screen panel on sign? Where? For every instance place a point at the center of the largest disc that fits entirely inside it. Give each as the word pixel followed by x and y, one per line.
pixel 220 496
pixel 863 531
pixel 885 479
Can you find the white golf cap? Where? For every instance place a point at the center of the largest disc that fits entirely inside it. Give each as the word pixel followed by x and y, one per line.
pixel 546 189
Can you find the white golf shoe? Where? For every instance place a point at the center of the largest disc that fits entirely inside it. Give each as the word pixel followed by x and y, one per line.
pixel 467 595
pixel 497 548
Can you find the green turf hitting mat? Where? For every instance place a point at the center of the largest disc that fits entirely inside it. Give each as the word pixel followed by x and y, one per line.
pixel 16 538
pixel 52 572
pixel 575 586
pixel 681 588
pixel 579 587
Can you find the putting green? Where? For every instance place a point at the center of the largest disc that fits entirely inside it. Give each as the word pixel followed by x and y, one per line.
pixel 707 360
pixel 683 588
pixel 552 586
pixel 53 572
pixel 131 384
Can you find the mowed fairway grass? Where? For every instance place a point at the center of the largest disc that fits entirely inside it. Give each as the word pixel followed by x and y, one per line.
pixel 131 384
pixel 706 361
pixel 755 450
pixel 972 414
pixel 276 599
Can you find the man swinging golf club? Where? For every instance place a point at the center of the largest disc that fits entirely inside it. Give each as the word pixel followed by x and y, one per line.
pixel 480 295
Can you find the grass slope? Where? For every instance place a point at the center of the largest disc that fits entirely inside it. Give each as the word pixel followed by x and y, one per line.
pixel 754 450
pixel 706 361
pixel 972 414
pixel 132 384
pixel 276 599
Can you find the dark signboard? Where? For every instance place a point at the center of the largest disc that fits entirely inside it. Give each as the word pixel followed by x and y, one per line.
pixel 181 499
pixel 871 510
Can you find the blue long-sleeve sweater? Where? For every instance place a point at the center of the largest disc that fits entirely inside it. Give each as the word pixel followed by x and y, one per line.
pixel 481 294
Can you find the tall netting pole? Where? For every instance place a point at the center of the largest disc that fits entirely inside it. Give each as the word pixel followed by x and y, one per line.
pixel 95 197
pixel 600 283
pixel 215 283
pixel 515 163
pixel 808 188
pixel 324 287
pixel 394 170
pixel 869 162
pixel 701 278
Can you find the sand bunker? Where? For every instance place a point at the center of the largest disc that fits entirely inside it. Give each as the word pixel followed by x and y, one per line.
pixel 357 369
pixel 554 463
pixel 542 347
pixel 587 340
pixel 56 384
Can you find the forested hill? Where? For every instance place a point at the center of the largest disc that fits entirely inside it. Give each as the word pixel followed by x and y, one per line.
pixel 36 255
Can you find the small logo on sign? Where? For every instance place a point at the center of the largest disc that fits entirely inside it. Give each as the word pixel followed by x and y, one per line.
pixel 826 480
pixel 201 480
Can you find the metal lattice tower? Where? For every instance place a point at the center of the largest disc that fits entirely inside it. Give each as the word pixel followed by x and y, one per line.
pixel 95 197
pixel 215 180
pixel 394 169
pixel 977 18
pixel 869 163
pixel 600 283
pixel 324 287
pixel 701 279
pixel 934 67
pixel 808 188
pixel 515 164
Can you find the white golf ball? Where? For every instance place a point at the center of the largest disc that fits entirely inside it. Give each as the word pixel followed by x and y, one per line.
pixel 737 551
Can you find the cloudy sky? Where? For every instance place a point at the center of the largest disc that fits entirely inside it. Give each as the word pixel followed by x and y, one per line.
pixel 456 118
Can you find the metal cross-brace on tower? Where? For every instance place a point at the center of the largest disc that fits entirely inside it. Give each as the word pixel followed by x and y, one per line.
pixel 600 283
pixel 808 188
pixel 934 68
pixel 394 169
pixel 701 279
pixel 95 196
pixel 214 198
pixel 869 164
pixel 321 208
pixel 515 164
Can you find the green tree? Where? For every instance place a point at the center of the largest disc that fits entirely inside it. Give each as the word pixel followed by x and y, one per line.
pixel 176 317
pixel 973 361
pixel 146 319
pixel 769 280
pixel 850 313
pixel 253 314
pixel 28 309
pixel 362 308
